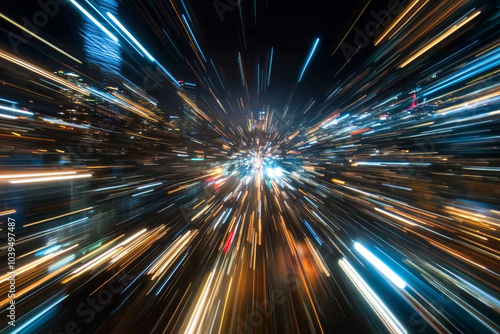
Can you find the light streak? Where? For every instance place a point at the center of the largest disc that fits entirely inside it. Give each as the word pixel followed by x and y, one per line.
pixel 384 269
pixel 46 179
pixel 193 37
pixel 390 321
pixel 17 110
pixel 29 32
pixel 396 21
pixel 29 322
pixel 115 20
pixel 270 66
pixel 439 39
pixel 311 53
pixel 15 176
pixel 97 23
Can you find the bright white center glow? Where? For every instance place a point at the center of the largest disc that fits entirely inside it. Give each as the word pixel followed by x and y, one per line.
pixel 275 172
pixel 270 172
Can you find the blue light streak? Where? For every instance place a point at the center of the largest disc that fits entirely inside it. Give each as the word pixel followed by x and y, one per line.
pixel 270 66
pixel 382 267
pixel 194 38
pixel 115 20
pixel 97 23
pixel 309 59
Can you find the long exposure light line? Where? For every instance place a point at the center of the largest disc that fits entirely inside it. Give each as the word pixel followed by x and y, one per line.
pixel 136 42
pixel 439 39
pixel 93 19
pixel 380 266
pixel 16 110
pixel 29 32
pixel 380 308
pixel 311 53
pixel 56 178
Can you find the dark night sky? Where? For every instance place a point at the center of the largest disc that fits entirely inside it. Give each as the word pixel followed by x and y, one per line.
pixel 289 26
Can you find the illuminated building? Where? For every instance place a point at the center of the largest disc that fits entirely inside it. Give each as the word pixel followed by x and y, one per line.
pixel 100 49
pixel 189 89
